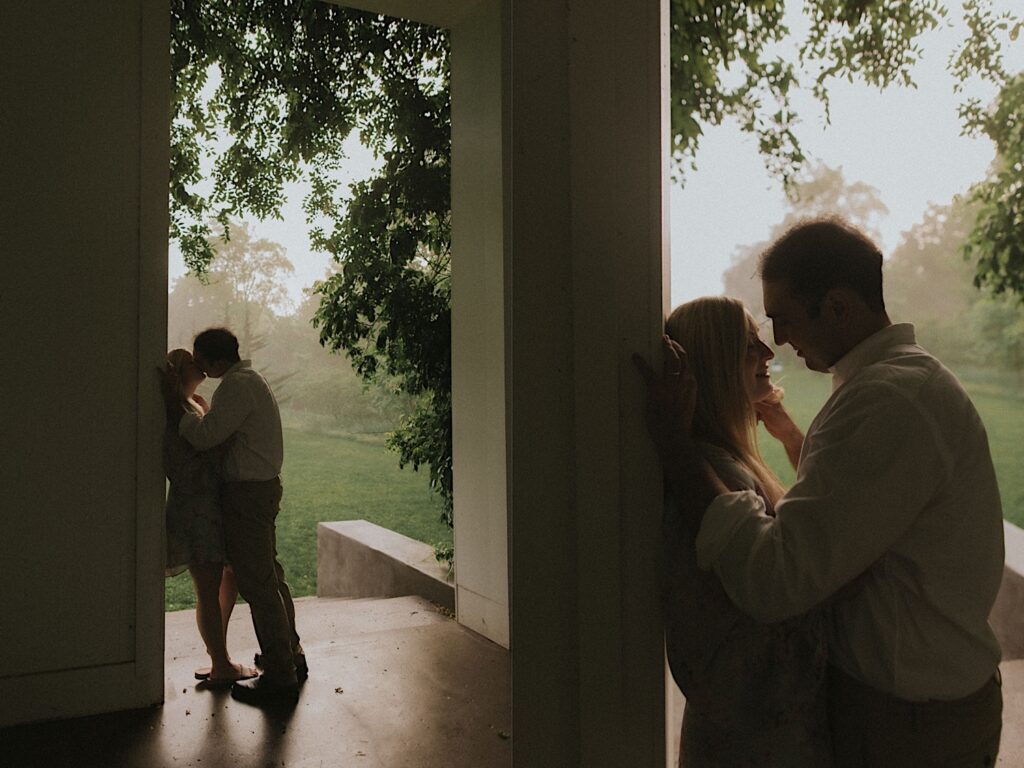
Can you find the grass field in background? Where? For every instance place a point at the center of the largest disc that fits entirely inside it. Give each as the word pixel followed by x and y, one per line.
pixel 997 397
pixel 1001 406
pixel 337 477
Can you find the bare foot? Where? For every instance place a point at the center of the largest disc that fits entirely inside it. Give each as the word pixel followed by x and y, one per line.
pixel 233 673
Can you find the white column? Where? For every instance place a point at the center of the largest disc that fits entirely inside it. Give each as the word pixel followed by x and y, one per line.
pixel 586 286
pixel 478 324
pixel 478 311
pixel 83 323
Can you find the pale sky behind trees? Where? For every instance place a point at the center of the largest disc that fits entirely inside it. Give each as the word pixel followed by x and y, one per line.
pixel 904 142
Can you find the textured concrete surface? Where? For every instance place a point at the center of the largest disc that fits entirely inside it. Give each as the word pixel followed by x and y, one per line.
pixel 393 684
pixel 356 558
pixel 1007 618
pixel 1011 748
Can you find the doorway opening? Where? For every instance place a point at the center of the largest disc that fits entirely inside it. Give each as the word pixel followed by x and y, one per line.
pixel 352 418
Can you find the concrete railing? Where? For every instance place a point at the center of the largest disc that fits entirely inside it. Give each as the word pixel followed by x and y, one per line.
pixel 359 559
pixel 1007 617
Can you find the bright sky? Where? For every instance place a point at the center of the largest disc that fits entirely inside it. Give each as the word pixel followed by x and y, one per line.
pixel 904 142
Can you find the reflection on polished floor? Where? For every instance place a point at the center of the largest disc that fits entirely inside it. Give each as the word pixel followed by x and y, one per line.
pixel 392 684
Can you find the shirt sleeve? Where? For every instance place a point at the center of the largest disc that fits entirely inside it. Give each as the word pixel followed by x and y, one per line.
pixel 229 408
pixel 867 472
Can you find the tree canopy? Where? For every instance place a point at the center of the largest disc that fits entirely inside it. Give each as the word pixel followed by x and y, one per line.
pixel 242 288
pixel 268 90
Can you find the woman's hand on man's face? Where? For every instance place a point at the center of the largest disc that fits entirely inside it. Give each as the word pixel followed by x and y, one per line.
pixel 671 400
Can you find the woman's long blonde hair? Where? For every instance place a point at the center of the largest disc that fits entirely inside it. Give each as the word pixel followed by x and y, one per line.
pixel 714 331
pixel 177 359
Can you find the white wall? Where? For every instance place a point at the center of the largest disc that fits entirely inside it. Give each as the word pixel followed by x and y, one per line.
pixel 83 319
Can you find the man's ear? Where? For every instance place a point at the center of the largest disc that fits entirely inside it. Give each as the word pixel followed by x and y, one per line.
pixel 837 306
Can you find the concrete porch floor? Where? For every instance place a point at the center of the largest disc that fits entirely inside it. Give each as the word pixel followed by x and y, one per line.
pixel 392 684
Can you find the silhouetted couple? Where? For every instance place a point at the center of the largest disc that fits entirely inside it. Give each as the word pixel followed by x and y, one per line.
pixel 843 622
pixel 223 461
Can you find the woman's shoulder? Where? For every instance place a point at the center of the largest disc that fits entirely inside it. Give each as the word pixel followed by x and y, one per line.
pixel 728 468
pixel 710 451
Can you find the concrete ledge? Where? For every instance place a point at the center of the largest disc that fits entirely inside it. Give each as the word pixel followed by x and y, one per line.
pixel 1007 617
pixel 359 559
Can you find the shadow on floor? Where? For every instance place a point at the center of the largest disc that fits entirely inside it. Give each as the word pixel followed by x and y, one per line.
pixel 393 684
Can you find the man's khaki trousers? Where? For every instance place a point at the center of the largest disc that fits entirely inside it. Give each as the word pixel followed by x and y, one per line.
pixel 871 729
pixel 250 511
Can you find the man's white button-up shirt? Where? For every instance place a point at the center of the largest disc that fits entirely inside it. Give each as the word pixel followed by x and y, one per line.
pixel 243 407
pixel 895 515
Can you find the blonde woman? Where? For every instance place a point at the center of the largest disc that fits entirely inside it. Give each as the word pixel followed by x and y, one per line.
pixel 195 538
pixel 754 692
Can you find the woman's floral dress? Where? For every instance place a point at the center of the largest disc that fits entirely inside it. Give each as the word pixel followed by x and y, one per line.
pixel 754 692
pixel 193 514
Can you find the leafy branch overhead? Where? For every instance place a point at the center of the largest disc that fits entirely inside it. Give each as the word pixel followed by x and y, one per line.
pixel 289 83
pixel 996 242
pixel 265 92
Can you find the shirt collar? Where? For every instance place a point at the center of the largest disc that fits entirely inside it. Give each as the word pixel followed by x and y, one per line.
pixel 238 366
pixel 875 347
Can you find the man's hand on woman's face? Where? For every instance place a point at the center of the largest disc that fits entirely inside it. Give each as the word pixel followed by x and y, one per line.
pixel 780 425
pixel 776 419
pixel 671 400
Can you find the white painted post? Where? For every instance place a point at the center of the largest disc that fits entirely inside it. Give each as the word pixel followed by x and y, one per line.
pixel 478 324
pixel 587 285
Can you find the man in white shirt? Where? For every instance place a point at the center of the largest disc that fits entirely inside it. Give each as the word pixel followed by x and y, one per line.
pixel 895 500
pixel 244 411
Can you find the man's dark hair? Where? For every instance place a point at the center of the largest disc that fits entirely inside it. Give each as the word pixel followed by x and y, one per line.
pixel 817 255
pixel 216 344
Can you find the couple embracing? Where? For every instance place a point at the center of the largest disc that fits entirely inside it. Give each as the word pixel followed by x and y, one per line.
pixel 223 461
pixel 842 622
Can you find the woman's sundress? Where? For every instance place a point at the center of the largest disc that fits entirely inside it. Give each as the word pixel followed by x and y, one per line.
pixel 193 513
pixel 754 692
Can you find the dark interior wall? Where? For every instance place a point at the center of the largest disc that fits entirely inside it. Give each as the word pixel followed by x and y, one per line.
pixel 82 318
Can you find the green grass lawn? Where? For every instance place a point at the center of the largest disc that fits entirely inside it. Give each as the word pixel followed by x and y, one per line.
pixel 997 398
pixel 328 478
pixel 1001 406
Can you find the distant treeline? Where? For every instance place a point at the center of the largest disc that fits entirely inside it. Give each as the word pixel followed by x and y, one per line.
pixel 244 291
pixel 927 280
